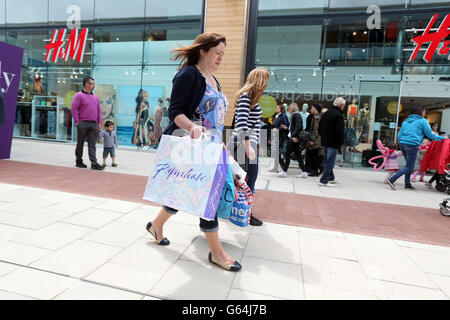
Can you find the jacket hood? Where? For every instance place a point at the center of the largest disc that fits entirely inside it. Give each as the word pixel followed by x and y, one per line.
pixel 413 117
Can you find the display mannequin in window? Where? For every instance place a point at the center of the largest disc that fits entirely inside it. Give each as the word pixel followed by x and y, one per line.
pixel 305 114
pixel 363 121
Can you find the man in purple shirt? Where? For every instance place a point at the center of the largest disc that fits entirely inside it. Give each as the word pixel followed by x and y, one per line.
pixel 88 118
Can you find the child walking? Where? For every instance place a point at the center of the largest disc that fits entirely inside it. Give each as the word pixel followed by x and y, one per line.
pixel 391 162
pixel 422 149
pixel 109 141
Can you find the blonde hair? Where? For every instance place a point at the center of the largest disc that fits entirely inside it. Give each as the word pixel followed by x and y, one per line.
pixel 189 55
pixel 293 107
pixel 255 85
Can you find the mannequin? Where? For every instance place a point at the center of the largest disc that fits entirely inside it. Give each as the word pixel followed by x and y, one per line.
pixel 363 121
pixel 304 114
pixel 351 113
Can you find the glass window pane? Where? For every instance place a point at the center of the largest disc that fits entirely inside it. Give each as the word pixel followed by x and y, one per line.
pixel 119 10
pixel 162 38
pixel 289 45
pixel 117 88
pixel 25 12
pixel 362 5
pixel 354 44
pixel 58 11
pixel 290 7
pixel 173 9
pixel 2 12
pixel 429 3
pixel 118 45
pixel 33 43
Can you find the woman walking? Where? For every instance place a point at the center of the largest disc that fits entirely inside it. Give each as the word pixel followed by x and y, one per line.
pixel 314 147
pixel 247 117
pixel 197 96
pixel 410 137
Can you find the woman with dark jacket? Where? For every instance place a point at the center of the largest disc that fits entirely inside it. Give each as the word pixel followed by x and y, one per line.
pixel 313 148
pixel 295 128
pixel 281 124
pixel 197 98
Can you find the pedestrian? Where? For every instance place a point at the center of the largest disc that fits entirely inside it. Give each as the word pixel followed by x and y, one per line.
pixel 421 153
pixel 391 160
pixel 434 128
pixel 109 141
pixel 314 148
pixel 281 128
pixel 87 115
pixel 410 137
pixel 197 96
pixel 296 126
pixel 245 136
pixel 331 130
pixel 158 128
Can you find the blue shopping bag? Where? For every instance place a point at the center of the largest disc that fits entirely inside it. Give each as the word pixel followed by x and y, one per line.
pixel 227 198
pixel 241 211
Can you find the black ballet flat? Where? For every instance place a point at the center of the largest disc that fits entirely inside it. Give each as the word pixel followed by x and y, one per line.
pixel 236 266
pixel 151 229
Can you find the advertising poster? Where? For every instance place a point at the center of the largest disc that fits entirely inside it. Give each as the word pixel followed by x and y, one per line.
pixel 128 108
pixel 10 68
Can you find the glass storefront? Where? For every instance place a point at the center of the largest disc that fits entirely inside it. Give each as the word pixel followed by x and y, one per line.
pixel 319 51
pixel 127 53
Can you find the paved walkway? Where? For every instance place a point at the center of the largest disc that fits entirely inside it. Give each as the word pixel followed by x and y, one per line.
pixel 60 239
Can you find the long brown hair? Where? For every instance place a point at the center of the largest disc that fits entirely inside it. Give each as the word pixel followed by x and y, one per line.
pixel 189 55
pixel 255 85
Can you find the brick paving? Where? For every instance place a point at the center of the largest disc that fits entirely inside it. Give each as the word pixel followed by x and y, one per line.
pixel 362 217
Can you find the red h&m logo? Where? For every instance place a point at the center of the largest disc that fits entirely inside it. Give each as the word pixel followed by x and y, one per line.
pixel 75 46
pixel 435 39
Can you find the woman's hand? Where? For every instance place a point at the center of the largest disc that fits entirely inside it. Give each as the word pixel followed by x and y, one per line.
pixel 250 152
pixel 196 131
pixel 283 126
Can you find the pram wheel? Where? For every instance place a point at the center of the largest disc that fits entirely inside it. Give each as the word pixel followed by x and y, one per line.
pixel 441 187
pixel 443 209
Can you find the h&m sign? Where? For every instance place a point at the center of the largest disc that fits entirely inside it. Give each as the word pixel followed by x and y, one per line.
pixel 75 45
pixel 434 39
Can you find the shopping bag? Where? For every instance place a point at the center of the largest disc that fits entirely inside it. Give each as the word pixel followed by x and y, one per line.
pixel 188 175
pixel 227 198
pixel 241 211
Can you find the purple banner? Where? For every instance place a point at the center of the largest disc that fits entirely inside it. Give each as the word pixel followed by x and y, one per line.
pixel 10 68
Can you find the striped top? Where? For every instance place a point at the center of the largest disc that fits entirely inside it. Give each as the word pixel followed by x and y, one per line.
pixel 247 122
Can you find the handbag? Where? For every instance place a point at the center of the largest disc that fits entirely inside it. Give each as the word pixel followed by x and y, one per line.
pixel 227 198
pixel 241 211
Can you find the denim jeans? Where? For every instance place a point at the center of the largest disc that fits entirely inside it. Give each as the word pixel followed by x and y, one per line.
pixel 329 160
pixel 410 153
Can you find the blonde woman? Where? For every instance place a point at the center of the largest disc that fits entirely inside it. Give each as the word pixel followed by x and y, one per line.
pixel 247 126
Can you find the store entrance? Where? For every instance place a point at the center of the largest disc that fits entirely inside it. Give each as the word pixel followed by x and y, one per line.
pixel 370 117
pixel 434 96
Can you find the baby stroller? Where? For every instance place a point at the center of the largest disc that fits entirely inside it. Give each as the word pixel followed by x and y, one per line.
pixel 444 209
pixel 437 158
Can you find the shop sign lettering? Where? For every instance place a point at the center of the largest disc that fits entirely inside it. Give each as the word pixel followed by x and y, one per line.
pixel 6 79
pixel 434 38
pixel 75 45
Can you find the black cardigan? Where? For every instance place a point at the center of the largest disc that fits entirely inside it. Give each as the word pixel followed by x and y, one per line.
pixel 188 89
